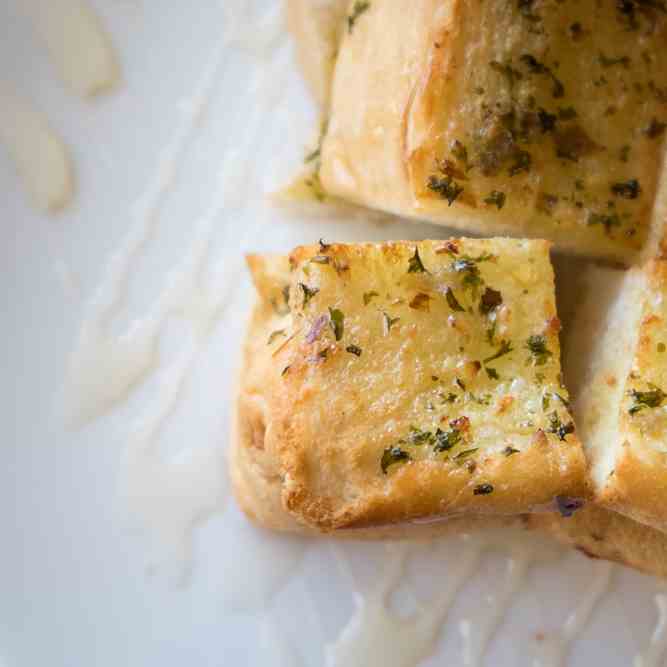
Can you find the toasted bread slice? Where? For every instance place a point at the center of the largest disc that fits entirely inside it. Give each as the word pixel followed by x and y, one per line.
pixel 621 407
pixel 414 381
pixel 532 119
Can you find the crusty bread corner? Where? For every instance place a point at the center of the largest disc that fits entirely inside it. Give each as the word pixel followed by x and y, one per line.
pixel 316 27
pixel 603 533
pixel 462 113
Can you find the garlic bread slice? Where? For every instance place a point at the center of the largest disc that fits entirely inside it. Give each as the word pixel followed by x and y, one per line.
pixel 535 119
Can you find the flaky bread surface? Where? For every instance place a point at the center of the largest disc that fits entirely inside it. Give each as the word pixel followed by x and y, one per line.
pixel 535 121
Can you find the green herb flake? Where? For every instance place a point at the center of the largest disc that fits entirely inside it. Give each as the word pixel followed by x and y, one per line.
pixel 536 67
pixel 446 187
pixel 337 322
pixel 612 62
pixel 505 348
pixel 492 373
pixel 466 453
pixel 547 120
pixel 653 398
pixel 445 440
pixel 608 221
pixel 354 349
pixel 537 346
pixel 360 6
pixel 274 335
pixel 509 451
pixel 627 189
pixel 308 293
pixel 510 74
pixel 557 427
pixel 496 198
pixel 452 301
pixel 391 456
pixel 483 489
pixel 415 264
pixel 369 296
pixel 419 437
pixel 522 163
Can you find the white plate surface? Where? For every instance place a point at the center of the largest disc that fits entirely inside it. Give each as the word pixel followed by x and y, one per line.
pixel 84 581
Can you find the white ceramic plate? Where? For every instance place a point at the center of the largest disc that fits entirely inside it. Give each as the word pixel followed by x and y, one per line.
pixel 89 577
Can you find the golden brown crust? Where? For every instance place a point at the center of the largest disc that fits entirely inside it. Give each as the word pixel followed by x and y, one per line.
pixel 479 96
pixel 602 533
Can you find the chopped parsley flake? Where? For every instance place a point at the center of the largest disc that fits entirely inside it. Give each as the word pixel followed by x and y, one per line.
pixel 415 264
pixel 536 67
pixel 557 427
pixel 308 293
pixel 522 163
pixel 354 349
pixel 492 373
pixel 611 62
pixel 505 348
pixel 445 440
pixel 604 220
pixel 337 322
pixel 508 451
pixel 496 198
pixel 360 6
pixel 627 189
pixel 483 489
pixel 446 187
pixel 461 456
pixel 393 455
pixel 653 398
pixel 452 301
pixel 537 346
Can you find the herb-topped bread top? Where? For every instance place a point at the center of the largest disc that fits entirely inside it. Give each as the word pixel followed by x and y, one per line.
pixel 419 380
pixel 532 117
